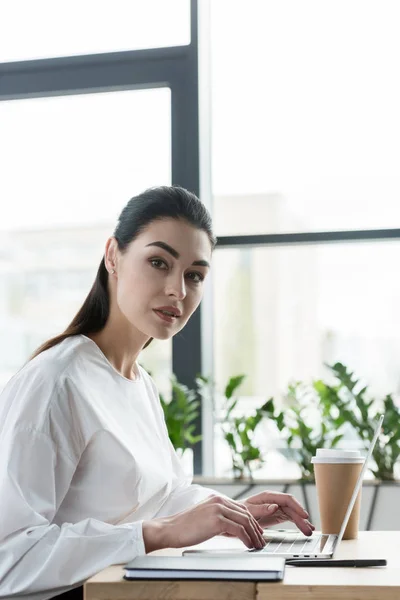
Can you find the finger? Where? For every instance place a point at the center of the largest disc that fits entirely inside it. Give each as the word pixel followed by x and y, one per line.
pixel 250 511
pixel 244 510
pixel 286 500
pixel 305 527
pixel 256 526
pixel 281 516
pixel 239 520
pixel 263 510
pixel 258 530
pixel 236 530
pixel 247 522
pixel 303 524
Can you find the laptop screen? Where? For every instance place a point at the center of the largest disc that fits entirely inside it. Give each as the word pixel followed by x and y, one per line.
pixel 360 478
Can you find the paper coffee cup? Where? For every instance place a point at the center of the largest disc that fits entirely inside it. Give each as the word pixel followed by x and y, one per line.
pixel 332 455
pixel 336 473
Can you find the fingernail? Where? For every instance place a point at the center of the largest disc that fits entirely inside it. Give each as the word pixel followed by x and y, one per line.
pixel 272 507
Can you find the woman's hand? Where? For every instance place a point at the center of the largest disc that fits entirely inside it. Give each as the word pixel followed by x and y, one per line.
pixel 271 508
pixel 216 515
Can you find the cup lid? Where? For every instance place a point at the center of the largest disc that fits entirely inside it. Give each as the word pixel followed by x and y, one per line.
pixel 334 455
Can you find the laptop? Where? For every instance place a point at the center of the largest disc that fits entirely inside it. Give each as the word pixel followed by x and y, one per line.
pixel 298 546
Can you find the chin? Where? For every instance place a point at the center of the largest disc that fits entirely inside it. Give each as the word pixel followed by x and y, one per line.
pixel 160 333
pixel 164 333
pixel 163 336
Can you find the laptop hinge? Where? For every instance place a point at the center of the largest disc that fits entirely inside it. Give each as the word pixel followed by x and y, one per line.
pixel 330 545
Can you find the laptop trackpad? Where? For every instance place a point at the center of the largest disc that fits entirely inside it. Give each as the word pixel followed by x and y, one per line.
pixel 289 535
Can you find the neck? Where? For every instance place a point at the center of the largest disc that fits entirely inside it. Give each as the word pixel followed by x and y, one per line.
pixel 121 345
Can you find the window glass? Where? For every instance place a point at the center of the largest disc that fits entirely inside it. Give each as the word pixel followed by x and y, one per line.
pixel 282 313
pixel 45 29
pixel 69 165
pixel 305 115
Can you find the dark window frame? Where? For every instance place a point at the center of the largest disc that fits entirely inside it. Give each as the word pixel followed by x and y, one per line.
pixel 176 68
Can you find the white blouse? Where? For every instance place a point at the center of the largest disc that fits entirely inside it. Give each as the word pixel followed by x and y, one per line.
pixel 84 458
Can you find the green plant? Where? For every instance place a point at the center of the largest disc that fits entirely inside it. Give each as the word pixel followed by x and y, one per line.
pixel 303 425
pixel 238 431
pixel 348 402
pixel 180 413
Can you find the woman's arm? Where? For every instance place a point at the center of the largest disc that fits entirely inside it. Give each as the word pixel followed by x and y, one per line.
pixel 184 493
pixel 35 554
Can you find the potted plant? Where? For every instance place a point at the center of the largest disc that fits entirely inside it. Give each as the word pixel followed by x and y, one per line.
pixel 180 413
pixel 348 402
pixel 303 425
pixel 238 431
pixel 345 403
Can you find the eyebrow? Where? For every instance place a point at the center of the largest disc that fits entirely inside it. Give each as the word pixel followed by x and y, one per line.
pixel 175 254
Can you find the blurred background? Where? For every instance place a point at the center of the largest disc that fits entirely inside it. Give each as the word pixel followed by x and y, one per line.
pixel 294 106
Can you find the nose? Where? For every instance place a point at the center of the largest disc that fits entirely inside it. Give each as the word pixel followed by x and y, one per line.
pixel 176 286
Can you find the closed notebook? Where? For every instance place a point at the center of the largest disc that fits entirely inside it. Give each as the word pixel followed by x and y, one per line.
pixel 235 568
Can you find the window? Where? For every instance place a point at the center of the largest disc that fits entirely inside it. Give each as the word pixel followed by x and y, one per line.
pixel 305 131
pixel 69 165
pixel 44 29
pixel 282 313
pixel 304 139
pixel 305 116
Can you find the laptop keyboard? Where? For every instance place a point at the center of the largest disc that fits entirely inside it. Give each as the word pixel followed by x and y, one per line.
pixel 290 544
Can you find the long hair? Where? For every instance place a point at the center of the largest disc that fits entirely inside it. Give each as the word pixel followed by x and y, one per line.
pixel 155 203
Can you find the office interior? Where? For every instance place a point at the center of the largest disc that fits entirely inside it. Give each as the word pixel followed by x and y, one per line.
pixel 283 117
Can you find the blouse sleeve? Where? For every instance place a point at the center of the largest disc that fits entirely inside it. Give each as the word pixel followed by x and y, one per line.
pixel 37 555
pixel 184 493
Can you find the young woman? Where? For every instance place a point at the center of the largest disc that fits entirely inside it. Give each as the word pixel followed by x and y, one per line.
pixel 88 476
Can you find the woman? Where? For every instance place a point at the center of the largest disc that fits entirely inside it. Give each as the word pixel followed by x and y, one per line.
pixel 88 476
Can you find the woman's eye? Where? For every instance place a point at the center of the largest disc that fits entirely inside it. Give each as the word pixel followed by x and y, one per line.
pixel 196 277
pixel 157 263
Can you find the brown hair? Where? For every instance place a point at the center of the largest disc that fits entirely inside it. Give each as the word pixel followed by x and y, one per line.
pixel 153 204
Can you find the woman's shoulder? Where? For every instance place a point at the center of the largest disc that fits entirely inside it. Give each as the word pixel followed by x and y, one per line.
pixel 40 380
pixel 52 363
pixel 147 379
pixel 36 399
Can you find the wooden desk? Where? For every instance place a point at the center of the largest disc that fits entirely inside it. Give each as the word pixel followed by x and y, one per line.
pixel 379 583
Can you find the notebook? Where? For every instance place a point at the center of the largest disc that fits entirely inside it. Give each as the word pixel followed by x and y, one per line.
pixel 296 545
pixel 236 568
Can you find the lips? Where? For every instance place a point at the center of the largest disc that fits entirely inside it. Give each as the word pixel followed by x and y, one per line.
pixel 165 316
pixel 171 311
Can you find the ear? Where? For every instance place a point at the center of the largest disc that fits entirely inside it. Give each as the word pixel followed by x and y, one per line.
pixel 110 254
